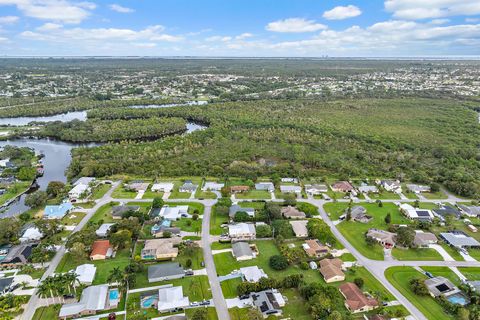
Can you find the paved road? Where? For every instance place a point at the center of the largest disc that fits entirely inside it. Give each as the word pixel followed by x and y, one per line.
pixel 218 299
pixel 35 300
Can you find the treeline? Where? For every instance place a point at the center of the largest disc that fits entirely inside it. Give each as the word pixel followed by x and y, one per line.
pixel 50 108
pixel 115 130
pixel 424 140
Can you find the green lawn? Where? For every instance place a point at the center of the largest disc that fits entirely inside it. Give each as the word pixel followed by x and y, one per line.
pixel 199 194
pixel 472 273
pixel 50 312
pixel 424 254
pixel 196 258
pixel 253 194
pixel 399 277
pixel 435 195
pixel 371 284
pixel 37 274
pixel 188 225
pixel 149 194
pixel 384 195
pixel 295 307
pixel 104 213
pixel 72 218
pixel 195 287
pixel 121 260
pixel 444 272
pixel 216 220
pixel 100 190
pixel 192 206
pixel 13 190
pixel 121 193
pixel 229 287
pixel 452 252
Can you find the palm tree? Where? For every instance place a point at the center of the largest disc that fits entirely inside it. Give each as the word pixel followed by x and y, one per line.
pixel 116 275
pixel 43 291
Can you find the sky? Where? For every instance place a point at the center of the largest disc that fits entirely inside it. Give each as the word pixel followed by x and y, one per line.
pixel 240 28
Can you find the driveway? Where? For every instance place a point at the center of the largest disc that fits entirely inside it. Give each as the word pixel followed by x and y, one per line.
pixel 442 252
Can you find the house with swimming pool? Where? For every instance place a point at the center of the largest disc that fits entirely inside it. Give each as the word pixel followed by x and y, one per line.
pixel 441 286
pixel 94 299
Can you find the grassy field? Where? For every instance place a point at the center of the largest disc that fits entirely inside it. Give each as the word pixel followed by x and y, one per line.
pixel 216 220
pixel 295 307
pixel 73 218
pixel 50 312
pixel 229 287
pixel 424 254
pixel 104 213
pixel 121 193
pixel 37 274
pixel 195 287
pixel 253 194
pixel 14 190
pixel 444 272
pixel 399 277
pixel 434 195
pixel 472 273
pixel 100 190
pixel 121 260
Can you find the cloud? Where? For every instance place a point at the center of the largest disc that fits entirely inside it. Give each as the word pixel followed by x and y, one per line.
pixel 295 25
pixel 244 36
pixel 145 45
pixel 8 19
pixel 425 9
pixel 218 38
pixel 56 33
pixel 120 9
pixel 3 39
pixel 341 13
pixel 56 10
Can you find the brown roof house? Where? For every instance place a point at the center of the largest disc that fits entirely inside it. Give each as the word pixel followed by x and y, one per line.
pixel 101 250
pixel 385 238
pixel 292 213
pixel 341 186
pixel 331 270
pixel 315 249
pixel 239 189
pixel 161 249
pixel 355 299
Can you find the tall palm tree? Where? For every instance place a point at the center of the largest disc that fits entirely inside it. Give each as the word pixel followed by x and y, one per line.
pixel 116 275
pixel 43 291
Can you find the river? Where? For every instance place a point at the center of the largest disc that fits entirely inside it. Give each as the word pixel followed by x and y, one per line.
pixel 57 154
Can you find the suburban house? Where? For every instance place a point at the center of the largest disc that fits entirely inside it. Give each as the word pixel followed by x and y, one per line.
pixel 172 299
pixel 289 180
pixel 390 185
pixel 158 229
pixel 212 186
pixel 358 213
pixel 101 250
pixel 165 271
pixel 385 238
pixel 78 192
pixel 300 228
pixel 31 233
pixel 416 188
pixel 316 189
pixel 415 213
pixel 19 254
pixel 290 212
pixel 355 300
pixel 137 186
pixel 441 286
pixel 459 240
pixel 87 181
pixel 188 187
pixel 236 208
pixel 162 187
pixel 173 213
pixel 471 211
pixel 239 189
pixel 342 186
pixel 102 231
pixel 424 239
pixel 57 212
pixel 331 270
pixel 252 274
pixel 265 186
pixel 5 284
pixel 268 301
pixel 161 249
pixel 242 251
pixel 364 188
pixel 444 211
pixel 291 189
pixel 119 211
pixel 86 273
pixel 315 249
pixel 242 231
pixel 94 299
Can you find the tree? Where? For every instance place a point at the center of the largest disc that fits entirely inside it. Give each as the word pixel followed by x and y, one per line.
pixel 55 188
pixel 195 216
pixel 241 216
pixel 78 252
pixel 379 203
pixel 254 314
pixel 36 199
pixel 116 275
pixel 157 202
pixel 463 314
pixel 319 229
pixel 348 217
pixel 188 263
pixel 199 314
pixel 278 262
pixel 27 173
pixel 9 230
pixel 290 199
pixel 273 210
pixel 263 231
pixel 121 239
pixel 434 187
pixel 405 237
pixel 388 218
pixel 359 282
pixel 418 287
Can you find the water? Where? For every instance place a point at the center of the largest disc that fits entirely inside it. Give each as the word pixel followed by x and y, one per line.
pixel 458 298
pixel 57 159
pixel 148 301
pixel 64 117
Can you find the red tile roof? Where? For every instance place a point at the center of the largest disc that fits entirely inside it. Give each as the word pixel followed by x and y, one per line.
pixel 355 299
pixel 100 247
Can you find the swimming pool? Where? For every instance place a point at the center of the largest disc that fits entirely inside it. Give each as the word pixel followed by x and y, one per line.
pixel 113 295
pixel 458 298
pixel 148 301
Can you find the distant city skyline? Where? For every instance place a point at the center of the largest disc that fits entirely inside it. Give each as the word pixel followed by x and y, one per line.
pixel 241 28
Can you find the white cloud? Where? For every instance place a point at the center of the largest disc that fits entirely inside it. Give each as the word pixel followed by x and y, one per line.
pixel 218 38
pixel 424 9
pixel 8 19
pixel 295 25
pixel 49 26
pixel 121 9
pixel 341 13
pixel 3 39
pixel 244 36
pixel 56 10
pixel 145 45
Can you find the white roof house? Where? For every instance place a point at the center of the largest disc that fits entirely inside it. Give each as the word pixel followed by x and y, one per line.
pixel 268 186
pixel 253 273
pixel 84 180
pixel 212 186
pixel 415 213
pixel 300 228
pixel 173 213
pixel 316 188
pixel 290 189
pixel 416 188
pixel 162 187
pixel 86 273
pixel 93 299
pixel 242 231
pixel 171 298
pixel 31 234
pixel 103 229
pixel 367 189
pixel 78 191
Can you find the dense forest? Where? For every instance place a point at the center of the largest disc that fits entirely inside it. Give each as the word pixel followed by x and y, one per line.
pixel 115 130
pixel 423 140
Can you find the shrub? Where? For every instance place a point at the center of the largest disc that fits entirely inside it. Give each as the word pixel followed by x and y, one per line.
pixel 278 262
